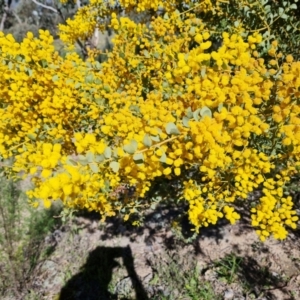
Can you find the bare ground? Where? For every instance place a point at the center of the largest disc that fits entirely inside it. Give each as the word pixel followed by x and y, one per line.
pixel 90 260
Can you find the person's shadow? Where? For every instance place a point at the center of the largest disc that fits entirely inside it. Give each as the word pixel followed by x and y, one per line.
pixel 91 283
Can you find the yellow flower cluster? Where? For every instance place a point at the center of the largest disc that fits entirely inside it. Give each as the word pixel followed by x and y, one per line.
pixel 45 156
pixel 165 104
pixel 86 19
pixel 142 5
pixel 274 212
pixel 84 23
pixel 168 6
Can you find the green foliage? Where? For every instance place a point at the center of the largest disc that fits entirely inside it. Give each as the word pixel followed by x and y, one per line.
pixel 22 231
pixel 237 119
pixel 273 19
pixel 180 280
pixel 228 267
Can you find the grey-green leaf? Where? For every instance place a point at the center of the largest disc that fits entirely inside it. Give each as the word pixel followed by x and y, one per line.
pixel 55 78
pixel 196 114
pixel 94 167
pixel 281 10
pixel 192 30
pixel 189 113
pixel 185 121
pixel 69 81
pixel 89 78
pixel 134 108
pixel 29 72
pixel 220 106
pixel 131 148
pixel 32 136
pixel 99 158
pixel 70 162
pixel 138 158
pixel 171 128
pixel 83 161
pixel 115 153
pixel 146 53
pixel 147 141
pixel 77 85
pixel 114 165
pixel 106 88
pixel 155 138
pixel 107 152
pixel 90 157
pixel 163 158
pixel 205 111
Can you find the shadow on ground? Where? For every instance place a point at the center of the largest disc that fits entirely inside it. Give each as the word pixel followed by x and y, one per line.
pixel 161 218
pixel 92 282
pixel 253 275
pixel 159 222
pixel 259 280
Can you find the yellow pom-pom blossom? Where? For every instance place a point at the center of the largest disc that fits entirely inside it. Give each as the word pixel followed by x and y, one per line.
pixel 165 104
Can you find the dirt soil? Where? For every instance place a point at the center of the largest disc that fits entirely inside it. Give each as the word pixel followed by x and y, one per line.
pixel 90 260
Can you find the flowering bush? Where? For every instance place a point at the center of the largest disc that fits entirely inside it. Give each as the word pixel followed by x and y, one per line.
pixel 169 102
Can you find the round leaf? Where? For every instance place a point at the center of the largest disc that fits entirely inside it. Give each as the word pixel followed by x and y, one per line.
pixel 114 165
pixel 99 158
pixel 107 153
pixel 171 128
pixel 185 121
pixel 163 158
pixel 189 113
pixel 131 148
pixel 147 141
pixel 138 158
pixel 94 168
pixel 90 157
pixel 196 114
pixel 205 111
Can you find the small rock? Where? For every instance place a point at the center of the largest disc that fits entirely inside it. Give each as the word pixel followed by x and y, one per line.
pixel 147 279
pixel 124 286
pixel 166 292
pixel 274 274
pixel 157 216
pixel 58 281
pixel 228 295
pixel 48 265
pixel 94 226
pixel 49 240
pixel 210 275
pixel 159 239
pixel 200 265
pixel 57 235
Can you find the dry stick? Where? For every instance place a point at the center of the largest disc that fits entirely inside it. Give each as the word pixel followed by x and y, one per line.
pixel 45 6
pixel 9 247
pixel 58 11
pixel 16 16
pixel 3 19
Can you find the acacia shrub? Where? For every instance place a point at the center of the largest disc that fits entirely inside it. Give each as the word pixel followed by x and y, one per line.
pixel 223 122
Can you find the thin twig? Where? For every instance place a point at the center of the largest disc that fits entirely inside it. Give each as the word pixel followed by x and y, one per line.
pixel 16 16
pixel 3 19
pixel 45 6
